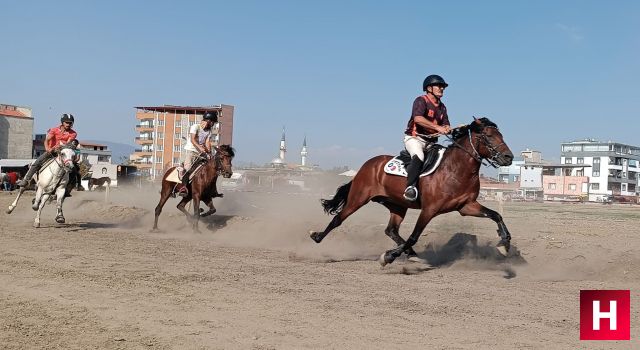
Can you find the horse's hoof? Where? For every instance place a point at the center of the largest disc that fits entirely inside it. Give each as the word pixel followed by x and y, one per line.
pixel 35 208
pixel 155 230
pixel 36 224
pixel 60 220
pixel 315 236
pixel 503 248
pixel 417 259
pixel 382 260
pixel 9 210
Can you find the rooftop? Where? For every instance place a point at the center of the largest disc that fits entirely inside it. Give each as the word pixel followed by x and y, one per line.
pixel 13 113
pixel 172 108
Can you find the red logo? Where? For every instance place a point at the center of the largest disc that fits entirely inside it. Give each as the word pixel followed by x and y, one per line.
pixel 605 315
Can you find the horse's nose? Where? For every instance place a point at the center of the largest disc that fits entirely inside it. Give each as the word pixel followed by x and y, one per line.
pixel 508 157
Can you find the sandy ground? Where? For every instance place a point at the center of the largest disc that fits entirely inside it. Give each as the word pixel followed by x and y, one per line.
pixel 254 280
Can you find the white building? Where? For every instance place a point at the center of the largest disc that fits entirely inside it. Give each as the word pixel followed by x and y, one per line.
pixel 614 167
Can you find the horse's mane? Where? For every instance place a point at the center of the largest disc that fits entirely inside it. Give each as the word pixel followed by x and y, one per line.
pixel 475 126
pixel 228 150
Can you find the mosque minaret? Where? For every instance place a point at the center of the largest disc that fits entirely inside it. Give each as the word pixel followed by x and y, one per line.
pixel 283 147
pixel 303 153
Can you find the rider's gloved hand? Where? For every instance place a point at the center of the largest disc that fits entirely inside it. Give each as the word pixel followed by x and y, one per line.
pixel 445 129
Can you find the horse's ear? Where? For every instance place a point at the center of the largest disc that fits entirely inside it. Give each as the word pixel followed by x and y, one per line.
pixel 474 118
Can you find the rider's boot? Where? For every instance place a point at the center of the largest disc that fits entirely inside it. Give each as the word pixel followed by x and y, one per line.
pixel 183 191
pixel 413 174
pixel 33 169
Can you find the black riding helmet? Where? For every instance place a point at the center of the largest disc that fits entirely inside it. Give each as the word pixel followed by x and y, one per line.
pixel 67 118
pixel 433 80
pixel 212 116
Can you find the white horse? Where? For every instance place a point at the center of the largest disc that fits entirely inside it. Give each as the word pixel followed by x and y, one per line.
pixel 52 178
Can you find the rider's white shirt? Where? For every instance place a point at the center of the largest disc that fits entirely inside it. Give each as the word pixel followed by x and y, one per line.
pixel 201 136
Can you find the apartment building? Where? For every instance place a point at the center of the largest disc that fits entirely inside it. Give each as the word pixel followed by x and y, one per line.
pixel 16 130
pixel 612 168
pixel 91 152
pixel 163 131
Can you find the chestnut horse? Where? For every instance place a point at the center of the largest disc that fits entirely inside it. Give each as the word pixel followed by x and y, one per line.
pixel 201 188
pixel 453 186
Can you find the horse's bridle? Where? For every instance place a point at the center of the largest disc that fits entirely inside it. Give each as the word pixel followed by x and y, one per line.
pixel 62 163
pixel 495 154
pixel 218 159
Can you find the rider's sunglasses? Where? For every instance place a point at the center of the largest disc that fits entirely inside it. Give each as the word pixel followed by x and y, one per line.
pixel 69 123
pixel 442 87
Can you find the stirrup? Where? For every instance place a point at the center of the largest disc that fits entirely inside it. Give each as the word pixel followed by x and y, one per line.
pixel 411 193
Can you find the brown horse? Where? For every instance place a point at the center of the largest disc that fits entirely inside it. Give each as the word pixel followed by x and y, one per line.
pixel 453 186
pixel 201 188
pixel 99 182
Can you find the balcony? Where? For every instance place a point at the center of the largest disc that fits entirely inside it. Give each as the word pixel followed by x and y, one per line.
pixel 142 152
pixel 144 140
pixel 145 116
pixel 144 127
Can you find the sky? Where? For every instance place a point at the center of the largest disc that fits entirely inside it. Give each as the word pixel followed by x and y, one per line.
pixel 343 73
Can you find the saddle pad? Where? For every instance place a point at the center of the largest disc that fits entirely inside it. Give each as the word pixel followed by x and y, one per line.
pixel 173 175
pixel 396 167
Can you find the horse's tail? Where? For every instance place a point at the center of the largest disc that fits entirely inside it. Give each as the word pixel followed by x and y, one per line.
pixel 334 206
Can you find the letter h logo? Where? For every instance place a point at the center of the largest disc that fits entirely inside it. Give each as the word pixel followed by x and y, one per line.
pixel 605 314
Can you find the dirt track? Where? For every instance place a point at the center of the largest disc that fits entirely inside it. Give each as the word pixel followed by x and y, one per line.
pixel 254 280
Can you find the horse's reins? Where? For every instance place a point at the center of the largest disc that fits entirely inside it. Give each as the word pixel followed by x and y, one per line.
pixel 476 155
pixel 61 163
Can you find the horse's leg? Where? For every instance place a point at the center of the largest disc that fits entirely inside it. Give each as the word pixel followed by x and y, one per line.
pixel 165 193
pixel 38 198
pixel 15 202
pixel 196 211
pixel 397 214
pixel 425 216
pixel 42 202
pixel 355 201
pixel 211 210
pixel 181 206
pixel 476 209
pixel 59 200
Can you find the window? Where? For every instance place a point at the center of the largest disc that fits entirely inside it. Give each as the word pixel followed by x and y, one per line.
pixel 176 148
pixel 580 160
pixel 161 122
pixel 595 173
pixel 551 186
pixel 176 136
pixel 595 186
pixel 624 187
pixel 579 172
pixel 177 123
pixel 596 160
pixel 176 160
pixel 160 148
pixel 624 174
pixel 572 187
pixel 567 160
pixel 158 160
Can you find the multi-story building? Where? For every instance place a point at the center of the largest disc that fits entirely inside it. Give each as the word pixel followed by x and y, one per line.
pixel 94 153
pixel 163 131
pixel 90 152
pixel 16 130
pixel 614 168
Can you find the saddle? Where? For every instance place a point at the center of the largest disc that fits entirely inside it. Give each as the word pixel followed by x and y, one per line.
pixel 174 176
pixel 432 158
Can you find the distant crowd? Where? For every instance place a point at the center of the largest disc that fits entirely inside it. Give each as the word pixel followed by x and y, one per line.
pixel 8 180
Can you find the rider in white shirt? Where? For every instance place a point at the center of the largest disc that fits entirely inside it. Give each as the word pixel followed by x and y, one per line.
pixel 199 142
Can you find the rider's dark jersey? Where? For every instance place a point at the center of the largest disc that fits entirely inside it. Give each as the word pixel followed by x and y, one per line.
pixel 432 111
